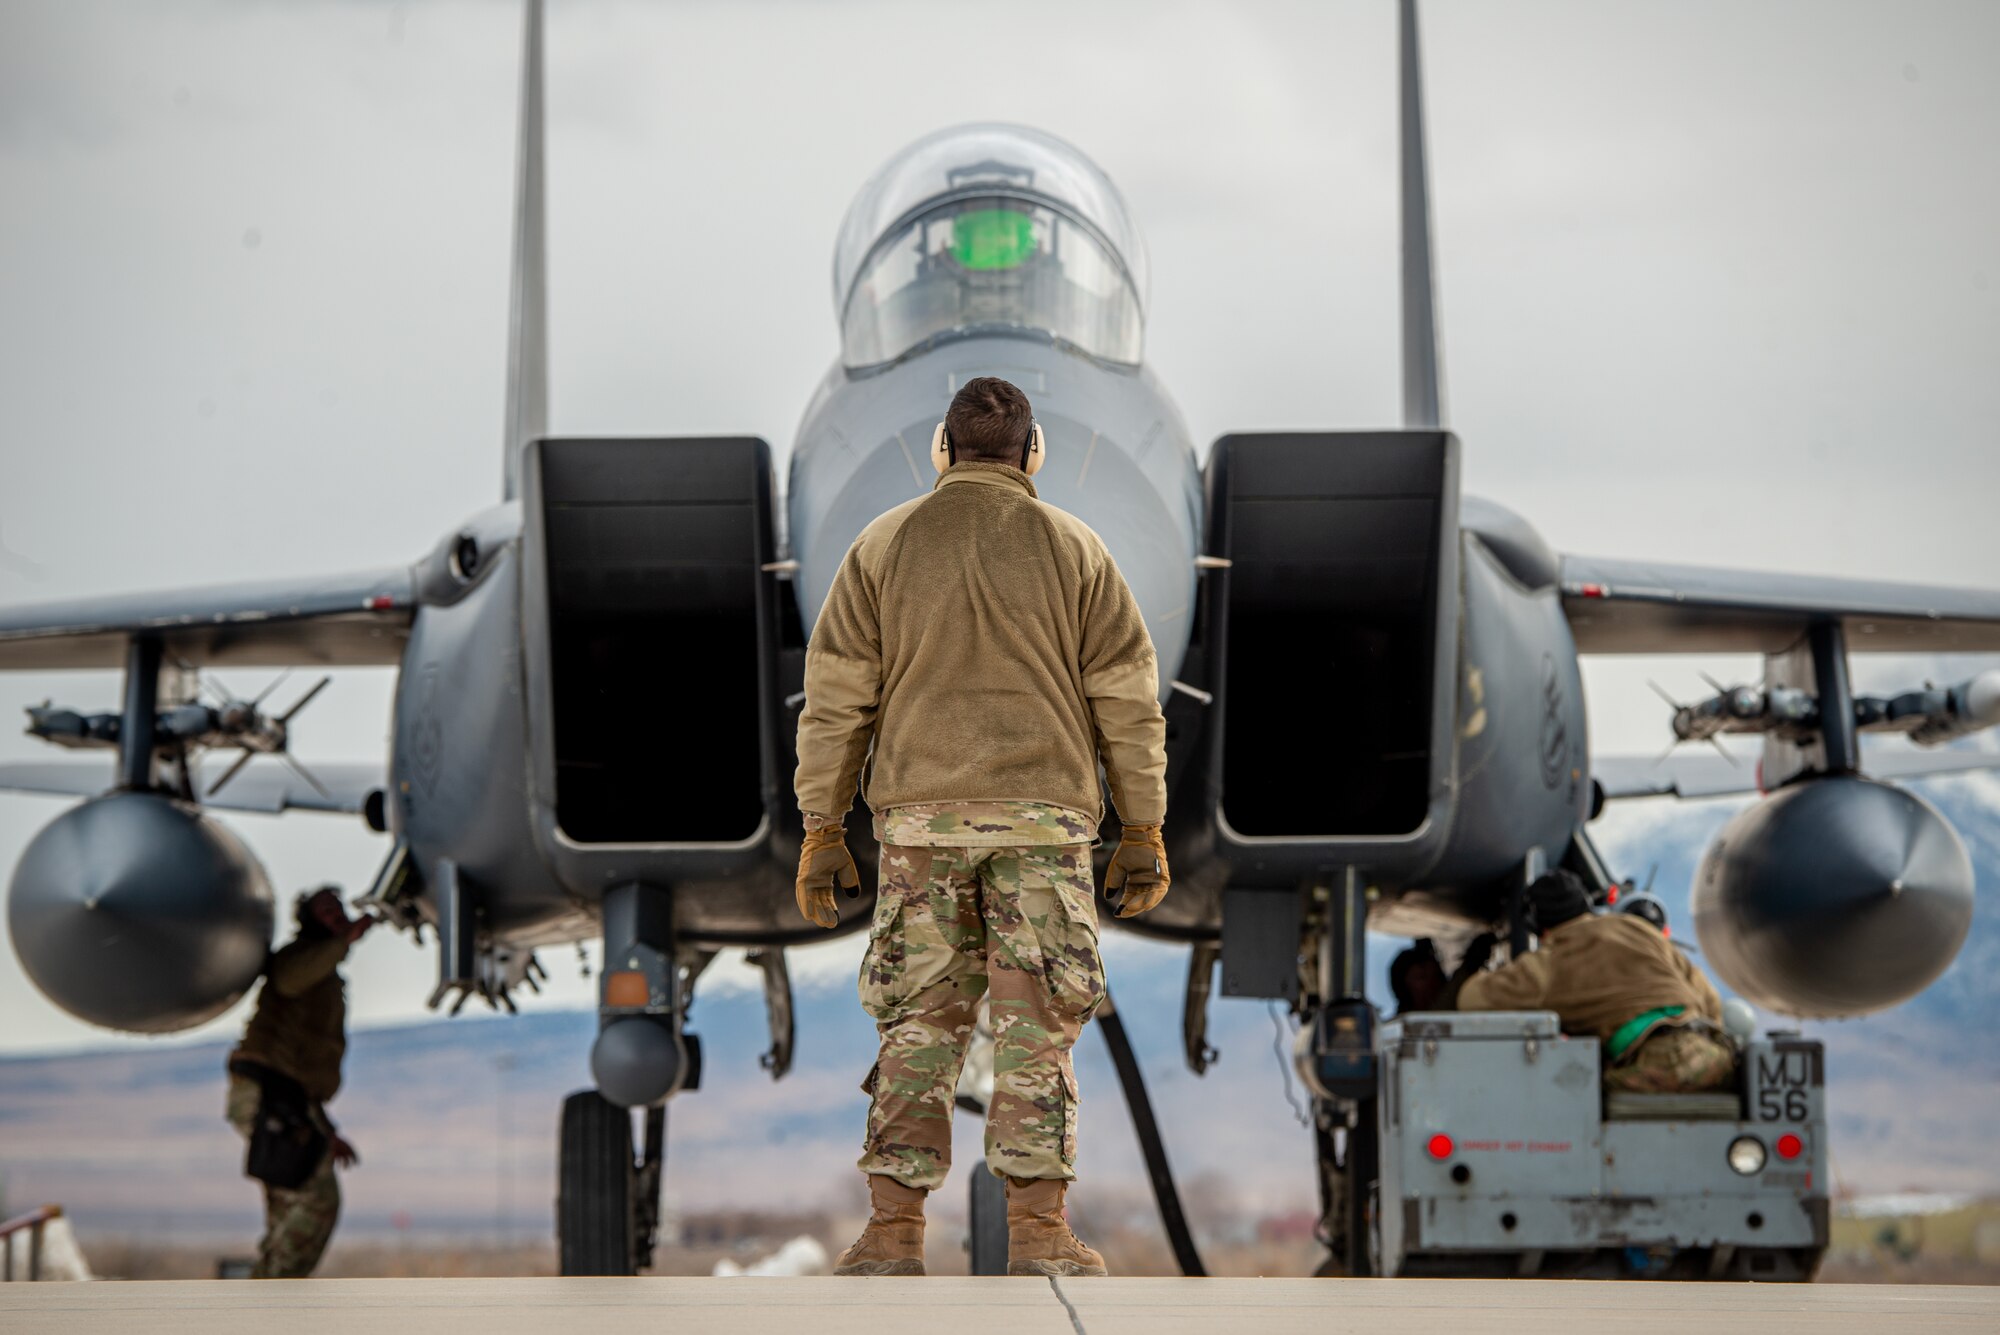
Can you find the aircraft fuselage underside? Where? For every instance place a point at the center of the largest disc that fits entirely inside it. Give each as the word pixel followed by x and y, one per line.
pixel 627 646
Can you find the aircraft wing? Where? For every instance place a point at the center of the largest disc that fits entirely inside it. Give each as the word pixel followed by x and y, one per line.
pixel 265 785
pixel 349 620
pixel 1644 607
pixel 1693 774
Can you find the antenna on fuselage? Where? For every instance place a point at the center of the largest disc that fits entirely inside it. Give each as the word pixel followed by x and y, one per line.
pixel 1423 391
pixel 528 312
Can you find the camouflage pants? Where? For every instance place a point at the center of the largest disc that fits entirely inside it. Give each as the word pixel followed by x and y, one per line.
pixel 1674 1059
pixel 297 1223
pixel 953 925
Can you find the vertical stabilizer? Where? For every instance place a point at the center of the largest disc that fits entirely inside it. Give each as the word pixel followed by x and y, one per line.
pixel 1423 393
pixel 528 314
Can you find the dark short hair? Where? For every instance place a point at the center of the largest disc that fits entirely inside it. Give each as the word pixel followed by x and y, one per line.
pixel 1400 968
pixel 1556 898
pixel 302 909
pixel 989 420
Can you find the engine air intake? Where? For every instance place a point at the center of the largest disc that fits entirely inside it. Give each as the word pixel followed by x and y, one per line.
pixel 1334 724
pixel 657 618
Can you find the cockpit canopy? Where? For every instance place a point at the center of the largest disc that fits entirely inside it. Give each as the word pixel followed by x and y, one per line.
pixel 988 227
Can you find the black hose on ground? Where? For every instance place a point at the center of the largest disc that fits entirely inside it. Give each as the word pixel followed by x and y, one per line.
pixel 1150 1145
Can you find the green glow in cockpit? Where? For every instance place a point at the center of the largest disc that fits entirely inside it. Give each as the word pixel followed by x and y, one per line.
pixel 992 238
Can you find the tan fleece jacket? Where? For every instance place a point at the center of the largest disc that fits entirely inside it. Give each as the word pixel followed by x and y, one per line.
pixel 1596 972
pixel 988 647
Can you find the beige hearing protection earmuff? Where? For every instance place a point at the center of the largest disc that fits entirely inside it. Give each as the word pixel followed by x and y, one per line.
pixel 941 454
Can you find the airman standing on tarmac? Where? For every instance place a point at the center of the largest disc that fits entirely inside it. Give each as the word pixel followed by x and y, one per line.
pixel 1616 976
pixel 987 646
pixel 281 1078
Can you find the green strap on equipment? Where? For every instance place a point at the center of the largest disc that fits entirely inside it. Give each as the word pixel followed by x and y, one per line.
pixel 1629 1032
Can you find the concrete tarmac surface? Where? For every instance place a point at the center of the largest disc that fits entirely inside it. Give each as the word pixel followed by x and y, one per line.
pixel 961 1306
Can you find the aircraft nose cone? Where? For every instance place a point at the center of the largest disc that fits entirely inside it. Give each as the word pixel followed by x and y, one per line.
pixel 1834 897
pixel 137 913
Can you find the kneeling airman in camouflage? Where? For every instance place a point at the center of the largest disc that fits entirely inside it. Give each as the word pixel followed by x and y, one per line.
pixel 987 646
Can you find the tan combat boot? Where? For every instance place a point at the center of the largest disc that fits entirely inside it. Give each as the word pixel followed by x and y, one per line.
pixel 1038 1238
pixel 893 1242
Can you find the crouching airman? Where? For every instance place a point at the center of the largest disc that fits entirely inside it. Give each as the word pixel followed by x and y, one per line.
pixel 1618 977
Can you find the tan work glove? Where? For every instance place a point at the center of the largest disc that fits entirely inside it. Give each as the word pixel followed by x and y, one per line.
pixel 823 861
pixel 1139 867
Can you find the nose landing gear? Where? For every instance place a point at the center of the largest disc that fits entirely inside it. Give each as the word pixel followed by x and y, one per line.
pixel 608 1197
pixel 608 1201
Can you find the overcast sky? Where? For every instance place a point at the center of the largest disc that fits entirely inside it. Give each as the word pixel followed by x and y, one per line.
pixel 1719 282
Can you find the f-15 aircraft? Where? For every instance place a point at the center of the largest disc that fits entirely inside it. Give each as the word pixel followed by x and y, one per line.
pixel 525 798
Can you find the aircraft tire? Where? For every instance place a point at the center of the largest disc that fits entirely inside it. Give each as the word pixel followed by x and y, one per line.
pixel 594 1216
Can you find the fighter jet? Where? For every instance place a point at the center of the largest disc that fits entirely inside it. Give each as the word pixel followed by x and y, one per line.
pixel 527 800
